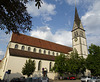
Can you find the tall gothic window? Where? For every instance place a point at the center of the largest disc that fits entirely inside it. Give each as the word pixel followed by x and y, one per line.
pixel 23 47
pixel 76 33
pixel 16 46
pixel 81 33
pixel 39 65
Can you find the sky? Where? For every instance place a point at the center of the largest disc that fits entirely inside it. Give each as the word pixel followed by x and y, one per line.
pixel 54 22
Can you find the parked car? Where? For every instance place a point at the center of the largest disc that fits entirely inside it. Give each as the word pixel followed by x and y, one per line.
pixel 72 78
pixel 93 79
pixel 85 79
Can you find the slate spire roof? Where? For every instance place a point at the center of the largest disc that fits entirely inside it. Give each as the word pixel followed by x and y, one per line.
pixel 77 22
pixel 77 19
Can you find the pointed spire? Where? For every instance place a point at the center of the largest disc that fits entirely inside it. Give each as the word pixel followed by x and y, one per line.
pixel 77 19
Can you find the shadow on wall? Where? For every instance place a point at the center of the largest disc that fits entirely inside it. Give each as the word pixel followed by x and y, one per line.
pixel 12 75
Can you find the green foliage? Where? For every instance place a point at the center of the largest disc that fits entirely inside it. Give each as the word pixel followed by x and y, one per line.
pixel 93 60
pixel 72 64
pixel 14 16
pixel 29 67
pixel 76 63
pixel 60 64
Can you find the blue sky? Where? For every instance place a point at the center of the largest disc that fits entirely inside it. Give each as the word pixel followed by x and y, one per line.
pixel 54 22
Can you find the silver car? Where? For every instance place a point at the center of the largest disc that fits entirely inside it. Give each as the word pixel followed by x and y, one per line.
pixel 93 79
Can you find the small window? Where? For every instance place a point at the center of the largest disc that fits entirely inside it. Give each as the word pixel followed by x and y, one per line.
pixel 16 46
pixel 39 50
pixel 48 52
pixel 22 48
pixel 44 51
pixel 34 50
pixel 29 49
pixel 57 54
pixel 53 53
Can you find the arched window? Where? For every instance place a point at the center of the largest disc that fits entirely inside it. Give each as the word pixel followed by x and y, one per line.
pixel 34 50
pixel 39 50
pixel 29 49
pixel 16 46
pixel 22 48
pixel 50 66
pixel 39 66
pixel 44 51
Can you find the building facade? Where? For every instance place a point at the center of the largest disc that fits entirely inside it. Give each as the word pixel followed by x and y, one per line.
pixel 22 47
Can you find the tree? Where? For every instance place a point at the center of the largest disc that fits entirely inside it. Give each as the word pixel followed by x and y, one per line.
pixel 28 68
pixel 14 16
pixel 59 66
pixel 93 60
pixel 76 63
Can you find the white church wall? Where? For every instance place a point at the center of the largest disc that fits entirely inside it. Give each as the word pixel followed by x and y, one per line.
pixel 15 64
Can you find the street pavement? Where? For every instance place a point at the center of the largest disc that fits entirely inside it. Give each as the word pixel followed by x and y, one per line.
pixel 66 81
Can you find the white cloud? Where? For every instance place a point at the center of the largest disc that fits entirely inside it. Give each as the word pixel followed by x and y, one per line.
pixel 4 39
pixel 91 21
pixel 46 10
pixel 61 36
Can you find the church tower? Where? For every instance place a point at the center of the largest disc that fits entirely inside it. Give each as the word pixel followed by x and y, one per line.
pixel 78 36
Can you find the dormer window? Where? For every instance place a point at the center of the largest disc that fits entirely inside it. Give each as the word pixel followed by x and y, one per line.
pixel 16 46
pixel 23 47
pixel 29 49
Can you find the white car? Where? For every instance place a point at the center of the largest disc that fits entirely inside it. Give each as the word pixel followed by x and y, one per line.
pixel 85 79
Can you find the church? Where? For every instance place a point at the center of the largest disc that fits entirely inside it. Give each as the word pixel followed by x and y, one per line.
pixel 22 47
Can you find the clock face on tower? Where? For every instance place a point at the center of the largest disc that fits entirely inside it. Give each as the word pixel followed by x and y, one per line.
pixel 75 39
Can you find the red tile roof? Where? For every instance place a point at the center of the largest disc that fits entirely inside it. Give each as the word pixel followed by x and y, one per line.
pixel 31 41
pixel 26 54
